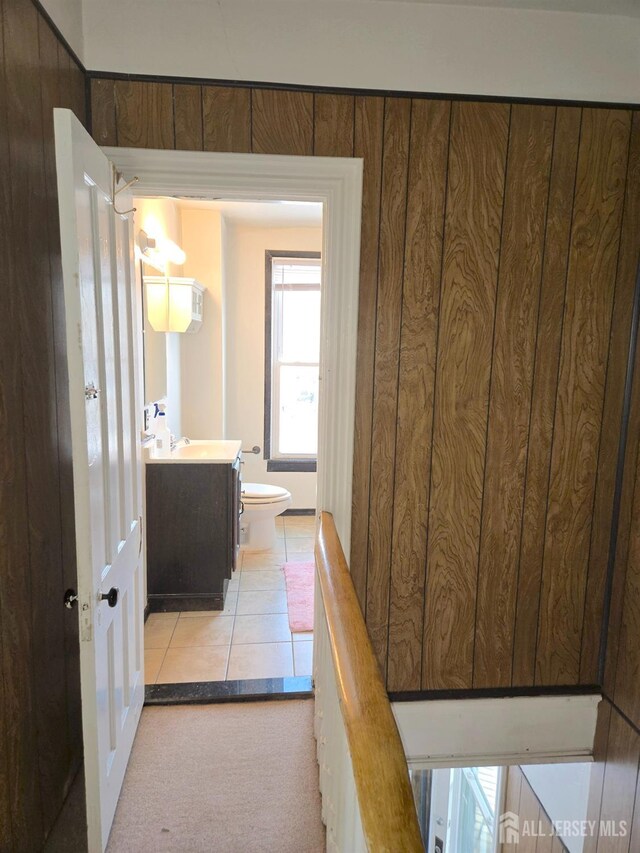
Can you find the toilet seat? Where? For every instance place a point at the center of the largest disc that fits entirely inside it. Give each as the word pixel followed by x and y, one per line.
pixel 260 493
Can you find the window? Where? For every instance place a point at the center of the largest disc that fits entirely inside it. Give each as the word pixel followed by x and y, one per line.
pixel 472 809
pixel 292 360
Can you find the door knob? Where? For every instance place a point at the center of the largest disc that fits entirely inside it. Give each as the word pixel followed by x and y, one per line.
pixel 111 597
pixel 70 599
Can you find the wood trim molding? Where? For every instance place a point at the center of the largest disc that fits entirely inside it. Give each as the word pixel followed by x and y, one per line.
pixel 336 182
pixel 385 798
pixel 355 91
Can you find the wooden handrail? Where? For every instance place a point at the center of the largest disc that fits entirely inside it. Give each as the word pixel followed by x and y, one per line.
pixel 387 810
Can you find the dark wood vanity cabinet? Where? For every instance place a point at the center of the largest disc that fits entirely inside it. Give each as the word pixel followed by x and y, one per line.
pixel 192 534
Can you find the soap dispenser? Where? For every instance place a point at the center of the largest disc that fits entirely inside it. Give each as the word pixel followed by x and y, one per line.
pixel 162 444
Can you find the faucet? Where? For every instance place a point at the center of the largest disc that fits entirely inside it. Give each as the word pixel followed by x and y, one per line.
pixel 175 443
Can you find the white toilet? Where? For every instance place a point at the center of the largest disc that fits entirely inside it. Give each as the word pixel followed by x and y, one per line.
pixel 261 504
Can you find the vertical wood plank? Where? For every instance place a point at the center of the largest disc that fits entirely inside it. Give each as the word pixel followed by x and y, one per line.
pixel 6 841
pixel 144 113
pixel 512 800
pixel 368 144
pixel 397 125
pixel 420 302
pixel 545 841
pixel 72 636
pixel 529 813
pixel 618 353
pixel 77 90
pixel 627 681
pixel 519 282
pixel 475 192
pixel 45 511
pixel 333 125
pixel 282 122
pixel 20 26
pixel 547 356
pixel 187 108
pixel 226 119
pixel 634 839
pixel 620 781
pixel 627 500
pixel 596 779
pixel 12 492
pixel 103 111
pixel 602 167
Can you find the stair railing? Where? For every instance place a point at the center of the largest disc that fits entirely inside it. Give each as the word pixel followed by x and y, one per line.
pixel 367 801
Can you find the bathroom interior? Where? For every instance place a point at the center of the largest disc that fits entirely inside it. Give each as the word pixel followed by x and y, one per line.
pixel 231 314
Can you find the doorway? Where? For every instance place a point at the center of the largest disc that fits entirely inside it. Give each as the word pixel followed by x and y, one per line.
pixel 335 187
pixel 245 371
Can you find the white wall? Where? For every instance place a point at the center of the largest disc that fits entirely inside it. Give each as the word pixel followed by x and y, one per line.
pixel 202 352
pixel 563 790
pixel 387 45
pixel 67 16
pixel 244 250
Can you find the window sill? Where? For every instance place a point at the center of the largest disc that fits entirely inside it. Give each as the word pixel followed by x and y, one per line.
pixel 291 465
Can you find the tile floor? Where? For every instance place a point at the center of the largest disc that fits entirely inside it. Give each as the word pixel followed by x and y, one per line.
pixel 250 638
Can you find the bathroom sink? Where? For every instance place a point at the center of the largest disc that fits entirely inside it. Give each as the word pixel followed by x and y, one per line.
pixel 202 451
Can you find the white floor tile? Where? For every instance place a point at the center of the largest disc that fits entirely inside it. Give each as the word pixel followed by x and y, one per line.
pixel 262 580
pixel 152 662
pixel 194 664
pixel 158 630
pixel 296 526
pixel 266 560
pixel 202 631
pixel 303 658
pixel 262 601
pixel 302 636
pixel 303 545
pixel 264 628
pixel 264 660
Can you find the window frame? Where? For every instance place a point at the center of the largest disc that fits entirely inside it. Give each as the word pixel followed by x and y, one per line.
pixel 292 463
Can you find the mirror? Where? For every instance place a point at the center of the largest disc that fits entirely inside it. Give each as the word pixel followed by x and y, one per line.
pixel 155 357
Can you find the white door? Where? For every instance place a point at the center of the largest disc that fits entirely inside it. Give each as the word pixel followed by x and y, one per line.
pixel 102 311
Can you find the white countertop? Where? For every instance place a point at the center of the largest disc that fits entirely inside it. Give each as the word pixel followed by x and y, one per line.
pixel 199 451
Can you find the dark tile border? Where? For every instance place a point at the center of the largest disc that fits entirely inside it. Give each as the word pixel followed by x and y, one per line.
pixel 214 692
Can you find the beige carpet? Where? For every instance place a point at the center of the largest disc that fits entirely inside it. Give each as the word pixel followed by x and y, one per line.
pixel 232 778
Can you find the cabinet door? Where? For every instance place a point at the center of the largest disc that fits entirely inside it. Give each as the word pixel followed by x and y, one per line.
pixel 188 515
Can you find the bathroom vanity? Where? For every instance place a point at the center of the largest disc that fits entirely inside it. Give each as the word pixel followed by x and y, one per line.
pixel 193 509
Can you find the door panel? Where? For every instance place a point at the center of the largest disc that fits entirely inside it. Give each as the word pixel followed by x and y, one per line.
pixel 101 309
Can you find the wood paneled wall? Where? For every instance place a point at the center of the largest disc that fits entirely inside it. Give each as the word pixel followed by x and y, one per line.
pixel 615 782
pixel 40 723
pixel 614 791
pixel 521 799
pixel 498 253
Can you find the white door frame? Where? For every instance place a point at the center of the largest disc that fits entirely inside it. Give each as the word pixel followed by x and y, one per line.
pixel 336 182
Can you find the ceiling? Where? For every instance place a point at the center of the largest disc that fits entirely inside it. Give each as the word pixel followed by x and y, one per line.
pixel 264 214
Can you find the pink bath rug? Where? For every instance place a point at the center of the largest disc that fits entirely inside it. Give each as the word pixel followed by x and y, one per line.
pixel 299 578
